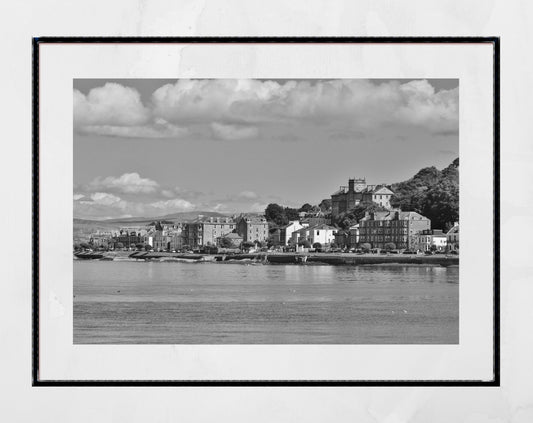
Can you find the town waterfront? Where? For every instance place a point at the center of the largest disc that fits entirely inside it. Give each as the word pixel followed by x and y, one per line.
pixel 137 302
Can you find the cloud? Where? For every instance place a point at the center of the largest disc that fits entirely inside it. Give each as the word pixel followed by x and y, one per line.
pixel 78 196
pixel 174 205
pixel 129 183
pixel 255 109
pixel 112 104
pixel 107 199
pixel 248 195
pixel 149 131
pixel 233 132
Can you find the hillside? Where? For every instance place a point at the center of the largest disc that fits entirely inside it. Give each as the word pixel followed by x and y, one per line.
pixel 431 192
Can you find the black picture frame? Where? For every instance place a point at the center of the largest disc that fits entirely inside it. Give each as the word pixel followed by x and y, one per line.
pixel 37 41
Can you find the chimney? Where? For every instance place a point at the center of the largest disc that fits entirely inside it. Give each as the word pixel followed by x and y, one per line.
pixel 351 184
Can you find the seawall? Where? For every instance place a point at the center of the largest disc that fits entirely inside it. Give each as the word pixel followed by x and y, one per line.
pixel 339 259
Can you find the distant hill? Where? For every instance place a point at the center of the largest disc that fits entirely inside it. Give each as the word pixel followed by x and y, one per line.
pixel 88 226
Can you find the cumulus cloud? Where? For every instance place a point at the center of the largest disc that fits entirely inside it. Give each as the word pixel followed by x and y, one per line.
pixel 175 204
pixel 250 109
pixel 129 183
pixel 129 194
pixel 117 111
pixel 107 199
pixel 112 104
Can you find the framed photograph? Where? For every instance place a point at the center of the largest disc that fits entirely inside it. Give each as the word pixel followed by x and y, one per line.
pixel 266 211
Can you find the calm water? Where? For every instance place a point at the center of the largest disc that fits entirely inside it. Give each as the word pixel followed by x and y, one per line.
pixel 210 303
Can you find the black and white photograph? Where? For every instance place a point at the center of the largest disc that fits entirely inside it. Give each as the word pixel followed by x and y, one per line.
pixel 266 211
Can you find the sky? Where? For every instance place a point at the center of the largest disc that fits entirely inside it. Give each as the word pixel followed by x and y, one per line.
pixel 151 147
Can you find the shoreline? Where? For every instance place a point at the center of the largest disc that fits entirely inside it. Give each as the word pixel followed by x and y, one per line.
pixel 335 259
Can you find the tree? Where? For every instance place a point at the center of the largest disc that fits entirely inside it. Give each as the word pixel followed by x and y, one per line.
pixel 325 205
pixel 139 246
pixel 433 247
pixel 85 246
pixel 246 245
pixel 353 216
pixel 306 208
pixel 441 204
pixel 304 243
pixel 120 245
pixel 366 247
pixel 334 245
pixel 432 193
pixel 317 246
pixel 390 246
pixel 276 213
pixel 148 247
pixel 226 242
pixel 291 214
pixel 273 241
pixel 259 243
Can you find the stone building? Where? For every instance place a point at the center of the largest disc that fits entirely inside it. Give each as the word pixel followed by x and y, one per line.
pixel 358 192
pixel 204 231
pixel 400 228
pixel 127 238
pixel 101 239
pixel 252 227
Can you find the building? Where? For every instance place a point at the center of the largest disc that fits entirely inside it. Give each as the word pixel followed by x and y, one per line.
pixel 432 239
pixel 101 239
pixel 234 238
pixel 312 220
pixel 348 238
pixel 252 228
pixel 204 231
pixel 285 232
pixel 397 227
pixel 324 234
pixel 127 238
pixel 358 192
pixel 452 238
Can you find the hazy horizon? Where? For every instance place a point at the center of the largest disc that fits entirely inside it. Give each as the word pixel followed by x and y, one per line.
pixel 149 148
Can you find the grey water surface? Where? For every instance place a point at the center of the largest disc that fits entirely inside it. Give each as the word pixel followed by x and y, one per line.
pixel 128 302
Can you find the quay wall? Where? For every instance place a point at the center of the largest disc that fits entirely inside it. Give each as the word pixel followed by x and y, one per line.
pixel 291 258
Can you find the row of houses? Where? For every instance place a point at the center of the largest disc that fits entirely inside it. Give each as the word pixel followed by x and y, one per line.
pixel 405 230
pixel 203 231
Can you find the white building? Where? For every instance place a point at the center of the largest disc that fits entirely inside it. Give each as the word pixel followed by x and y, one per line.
pixel 324 234
pixel 452 238
pixel 285 233
pixel 430 238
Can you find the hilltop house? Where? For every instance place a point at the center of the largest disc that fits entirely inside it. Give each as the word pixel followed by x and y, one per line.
pixel 358 192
